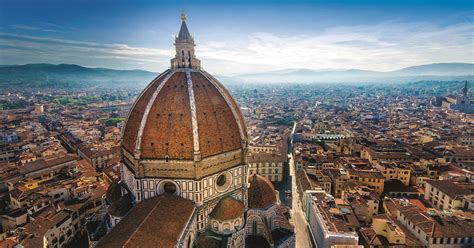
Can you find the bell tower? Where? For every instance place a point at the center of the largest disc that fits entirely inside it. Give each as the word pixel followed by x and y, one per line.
pixel 464 90
pixel 184 44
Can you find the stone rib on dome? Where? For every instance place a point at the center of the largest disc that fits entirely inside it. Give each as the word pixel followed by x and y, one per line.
pixel 261 193
pixel 161 122
pixel 132 125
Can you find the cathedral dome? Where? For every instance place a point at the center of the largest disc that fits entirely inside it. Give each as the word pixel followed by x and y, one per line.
pixel 261 193
pixel 184 113
pixel 181 113
pixel 228 209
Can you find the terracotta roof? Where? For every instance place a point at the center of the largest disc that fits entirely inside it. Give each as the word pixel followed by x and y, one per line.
pixel 168 124
pixel 136 113
pixel 155 222
pixel 303 180
pixel 410 239
pixel 218 129
pixel 367 174
pixel 370 237
pixel 433 222
pixel 35 230
pixel 449 188
pixel 228 209
pixel 438 226
pixel 261 193
pixel 42 163
pixel 395 185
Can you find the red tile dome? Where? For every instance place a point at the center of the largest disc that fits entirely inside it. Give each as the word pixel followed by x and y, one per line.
pixel 228 209
pixel 181 113
pixel 261 193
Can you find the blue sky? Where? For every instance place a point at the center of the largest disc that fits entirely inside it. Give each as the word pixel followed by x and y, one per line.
pixel 236 37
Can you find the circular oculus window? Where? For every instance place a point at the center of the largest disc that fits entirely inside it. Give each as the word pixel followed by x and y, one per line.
pixel 170 188
pixel 223 181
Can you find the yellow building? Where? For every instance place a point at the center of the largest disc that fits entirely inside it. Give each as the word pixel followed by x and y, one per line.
pixel 363 200
pixel 394 171
pixel 445 194
pixel 338 177
pixel 387 228
pixel 268 165
pixel 370 178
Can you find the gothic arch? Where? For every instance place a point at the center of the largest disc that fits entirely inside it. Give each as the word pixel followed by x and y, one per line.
pixel 190 241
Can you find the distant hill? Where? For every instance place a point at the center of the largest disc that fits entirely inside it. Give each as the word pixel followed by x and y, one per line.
pixel 443 71
pixel 67 76
pixel 75 76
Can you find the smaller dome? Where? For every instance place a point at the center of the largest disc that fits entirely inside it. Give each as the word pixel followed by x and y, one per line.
pixel 261 192
pixel 228 209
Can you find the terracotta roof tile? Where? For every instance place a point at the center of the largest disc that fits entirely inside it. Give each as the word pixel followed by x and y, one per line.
pixel 228 209
pixel 155 222
pixel 218 129
pixel 261 193
pixel 133 122
pixel 168 129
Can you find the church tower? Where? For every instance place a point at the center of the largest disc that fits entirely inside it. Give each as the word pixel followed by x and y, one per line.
pixel 464 90
pixel 184 44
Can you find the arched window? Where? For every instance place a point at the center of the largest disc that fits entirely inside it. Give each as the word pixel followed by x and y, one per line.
pixel 189 57
pixel 226 227
pixel 254 227
pixel 182 57
pixel 190 242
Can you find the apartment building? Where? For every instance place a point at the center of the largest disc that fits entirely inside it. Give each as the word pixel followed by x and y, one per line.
pixel 394 171
pixel 448 195
pixel 329 225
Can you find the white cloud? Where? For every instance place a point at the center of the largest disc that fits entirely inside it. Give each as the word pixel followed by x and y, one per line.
pixel 384 46
pixel 33 28
pixel 51 50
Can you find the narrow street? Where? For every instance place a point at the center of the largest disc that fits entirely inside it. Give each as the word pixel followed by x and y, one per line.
pixel 302 238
